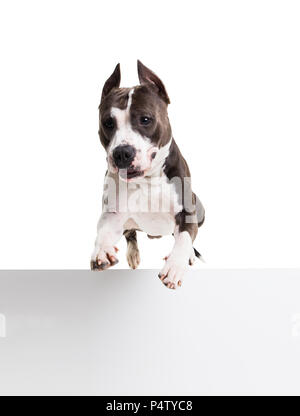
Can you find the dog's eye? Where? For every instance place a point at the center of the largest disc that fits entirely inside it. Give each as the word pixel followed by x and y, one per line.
pixel 109 123
pixel 144 120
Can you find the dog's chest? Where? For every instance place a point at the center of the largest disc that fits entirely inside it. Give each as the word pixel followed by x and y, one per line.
pixel 152 206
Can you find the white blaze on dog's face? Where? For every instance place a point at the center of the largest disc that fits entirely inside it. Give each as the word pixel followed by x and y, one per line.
pixel 134 124
pixel 143 150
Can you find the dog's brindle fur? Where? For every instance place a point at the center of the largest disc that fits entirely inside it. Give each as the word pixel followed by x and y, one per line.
pixel 151 99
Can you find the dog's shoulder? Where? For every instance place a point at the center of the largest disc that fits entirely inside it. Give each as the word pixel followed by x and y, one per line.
pixel 175 165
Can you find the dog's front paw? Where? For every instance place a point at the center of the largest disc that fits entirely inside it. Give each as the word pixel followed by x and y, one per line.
pixel 104 257
pixel 173 271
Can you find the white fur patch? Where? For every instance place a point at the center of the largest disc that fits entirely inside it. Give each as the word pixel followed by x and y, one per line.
pixel 149 205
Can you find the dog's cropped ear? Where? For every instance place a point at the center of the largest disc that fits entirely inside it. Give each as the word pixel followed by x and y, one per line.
pixel 146 76
pixel 112 82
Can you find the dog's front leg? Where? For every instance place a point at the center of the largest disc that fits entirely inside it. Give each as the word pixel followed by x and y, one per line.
pixel 182 253
pixel 110 230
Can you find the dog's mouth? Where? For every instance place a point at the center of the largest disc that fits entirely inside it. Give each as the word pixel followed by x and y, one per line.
pixel 130 173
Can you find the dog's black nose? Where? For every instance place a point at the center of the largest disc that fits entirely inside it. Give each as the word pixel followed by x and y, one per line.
pixel 123 156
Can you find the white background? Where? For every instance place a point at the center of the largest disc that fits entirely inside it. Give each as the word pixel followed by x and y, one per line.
pixel 231 69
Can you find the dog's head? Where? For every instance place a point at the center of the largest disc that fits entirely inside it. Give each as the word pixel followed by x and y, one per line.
pixel 134 126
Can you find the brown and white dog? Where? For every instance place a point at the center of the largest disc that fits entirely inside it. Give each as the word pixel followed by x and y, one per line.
pixel 147 184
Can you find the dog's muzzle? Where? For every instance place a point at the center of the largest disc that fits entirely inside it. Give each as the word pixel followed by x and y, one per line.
pixel 123 156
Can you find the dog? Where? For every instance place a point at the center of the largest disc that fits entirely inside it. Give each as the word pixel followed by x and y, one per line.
pixel 147 185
